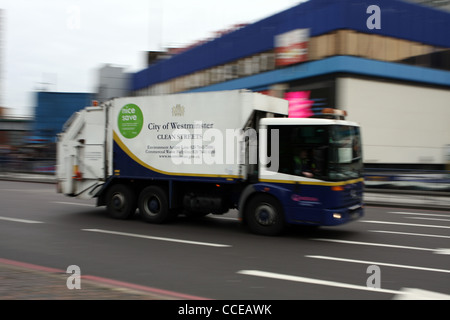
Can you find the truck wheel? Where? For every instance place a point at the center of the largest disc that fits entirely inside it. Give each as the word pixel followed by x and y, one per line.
pixel 120 201
pixel 154 205
pixel 264 215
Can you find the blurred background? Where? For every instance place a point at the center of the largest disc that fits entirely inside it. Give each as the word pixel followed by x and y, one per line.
pixel 385 62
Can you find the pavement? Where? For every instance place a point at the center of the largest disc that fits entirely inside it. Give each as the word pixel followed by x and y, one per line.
pixel 23 281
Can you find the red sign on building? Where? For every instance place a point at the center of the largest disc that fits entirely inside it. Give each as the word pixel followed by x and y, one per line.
pixel 291 47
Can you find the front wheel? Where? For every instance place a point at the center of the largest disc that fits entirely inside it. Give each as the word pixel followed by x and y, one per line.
pixel 264 215
pixel 154 205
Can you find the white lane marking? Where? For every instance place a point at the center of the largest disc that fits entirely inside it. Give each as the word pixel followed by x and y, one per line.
pixel 412 234
pixel 224 218
pixel 437 251
pixel 19 220
pixel 29 190
pixel 378 263
pixel 157 238
pixel 421 214
pixel 405 224
pixel 286 277
pixel 74 203
pixel 419 294
pixel 442 251
pixel 431 219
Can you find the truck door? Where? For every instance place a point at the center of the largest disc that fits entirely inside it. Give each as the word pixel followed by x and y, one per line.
pixel 81 158
pixel 92 145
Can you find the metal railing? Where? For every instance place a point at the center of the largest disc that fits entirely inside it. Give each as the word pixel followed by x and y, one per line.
pixel 377 180
pixel 27 165
pixel 408 179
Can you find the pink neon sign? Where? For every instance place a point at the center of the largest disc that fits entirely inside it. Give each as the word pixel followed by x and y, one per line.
pixel 299 104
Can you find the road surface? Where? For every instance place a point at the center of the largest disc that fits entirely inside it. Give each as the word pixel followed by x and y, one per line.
pixel 391 253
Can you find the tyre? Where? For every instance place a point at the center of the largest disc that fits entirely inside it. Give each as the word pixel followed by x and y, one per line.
pixel 120 201
pixel 264 215
pixel 154 205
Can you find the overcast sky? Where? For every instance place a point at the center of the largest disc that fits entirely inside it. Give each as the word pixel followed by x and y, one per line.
pixel 60 44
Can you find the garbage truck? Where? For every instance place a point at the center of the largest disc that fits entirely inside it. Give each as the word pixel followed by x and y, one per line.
pixel 204 153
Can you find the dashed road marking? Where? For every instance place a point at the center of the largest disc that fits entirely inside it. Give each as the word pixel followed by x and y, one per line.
pixel 19 220
pixel 142 236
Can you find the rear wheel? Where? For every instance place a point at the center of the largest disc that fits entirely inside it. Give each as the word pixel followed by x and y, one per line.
pixel 154 205
pixel 120 201
pixel 264 215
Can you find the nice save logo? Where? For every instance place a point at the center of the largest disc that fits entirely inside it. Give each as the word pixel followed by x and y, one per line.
pixel 130 121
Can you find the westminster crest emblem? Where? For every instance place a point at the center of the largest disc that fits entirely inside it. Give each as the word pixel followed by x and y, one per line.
pixel 178 110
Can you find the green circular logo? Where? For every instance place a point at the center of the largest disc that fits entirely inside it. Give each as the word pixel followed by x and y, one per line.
pixel 130 121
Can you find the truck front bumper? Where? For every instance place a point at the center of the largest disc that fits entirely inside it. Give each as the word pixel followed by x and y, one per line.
pixel 334 217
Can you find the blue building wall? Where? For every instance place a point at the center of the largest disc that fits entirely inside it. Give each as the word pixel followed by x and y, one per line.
pixel 398 19
pixel 52 110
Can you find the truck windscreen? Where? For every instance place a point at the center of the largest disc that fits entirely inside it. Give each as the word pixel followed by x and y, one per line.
pixel 325 152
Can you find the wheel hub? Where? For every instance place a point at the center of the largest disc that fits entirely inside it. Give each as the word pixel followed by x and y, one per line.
pixel 265 215
pixel 118 201
pixel 153 205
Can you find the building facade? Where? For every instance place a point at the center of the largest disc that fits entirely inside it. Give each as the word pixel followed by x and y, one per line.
pixel 52 110
pixel 439 4
pixel 113 82
pixel 387 64
pixel 13 130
